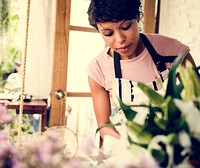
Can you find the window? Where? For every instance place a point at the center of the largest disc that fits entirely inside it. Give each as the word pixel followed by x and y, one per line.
pixel 84 44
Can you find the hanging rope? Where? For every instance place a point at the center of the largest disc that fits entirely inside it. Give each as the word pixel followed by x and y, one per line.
pixel 20 119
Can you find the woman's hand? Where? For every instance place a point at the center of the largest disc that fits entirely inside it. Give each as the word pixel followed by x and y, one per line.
pixel 102 108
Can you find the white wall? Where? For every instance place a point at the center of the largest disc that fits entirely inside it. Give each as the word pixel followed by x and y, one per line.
pixel 181 19
pixel 38 75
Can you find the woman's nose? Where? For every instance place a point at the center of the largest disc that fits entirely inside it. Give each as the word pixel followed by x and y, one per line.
pixel 120 38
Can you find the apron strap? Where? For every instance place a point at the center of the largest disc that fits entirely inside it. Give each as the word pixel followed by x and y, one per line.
pixel 118 73
pixel 157 58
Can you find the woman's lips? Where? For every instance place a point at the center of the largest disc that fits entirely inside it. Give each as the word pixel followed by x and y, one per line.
pixel 124 49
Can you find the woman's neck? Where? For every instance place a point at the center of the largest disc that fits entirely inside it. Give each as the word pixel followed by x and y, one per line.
pixel 139 48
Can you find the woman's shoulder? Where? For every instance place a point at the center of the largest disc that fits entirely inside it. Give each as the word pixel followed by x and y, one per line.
pixel 165 44
pixel 153 37
pixel 97 66
pixel 101 58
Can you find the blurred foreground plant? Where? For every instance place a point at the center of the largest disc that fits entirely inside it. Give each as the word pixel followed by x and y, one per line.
pixel 171 130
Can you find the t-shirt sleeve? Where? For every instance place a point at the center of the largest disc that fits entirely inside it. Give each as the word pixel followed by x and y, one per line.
pixel 94 71
pixel 167 46
pixel 179 47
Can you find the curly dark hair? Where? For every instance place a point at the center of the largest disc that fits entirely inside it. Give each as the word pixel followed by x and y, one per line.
pixel 113 11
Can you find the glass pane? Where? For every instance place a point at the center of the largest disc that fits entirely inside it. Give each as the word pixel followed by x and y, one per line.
pixel 79 8
pixel 83 47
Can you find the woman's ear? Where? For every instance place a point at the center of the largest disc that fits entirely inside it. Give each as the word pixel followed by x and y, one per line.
pixel 138 18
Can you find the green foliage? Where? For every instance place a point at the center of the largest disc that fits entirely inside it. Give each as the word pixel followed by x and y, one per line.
pixel 165 118
pixel 26 126
pixel 9 50
pixel 130 112
pixel 174 89
pixel 12 54
pixel 8 17
pixel 4 15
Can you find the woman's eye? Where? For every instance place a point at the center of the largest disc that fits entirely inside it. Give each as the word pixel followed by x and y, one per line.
pixel 108 34
pixel 127 27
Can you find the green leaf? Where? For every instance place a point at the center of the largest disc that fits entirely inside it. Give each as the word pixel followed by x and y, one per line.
pixel 129 113
pixel 180 124
pixel 134 127
pixel 107 125
pixel 153 96
pixel 172 139
pixel 159 155
pixel 172 89
pixel 190 80
pixel 137 130
pixel 131 141
pixel 161 123
pixel 150 125
pixel 173 111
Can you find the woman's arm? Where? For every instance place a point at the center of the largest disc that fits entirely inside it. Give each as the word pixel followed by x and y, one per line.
pixel 102 108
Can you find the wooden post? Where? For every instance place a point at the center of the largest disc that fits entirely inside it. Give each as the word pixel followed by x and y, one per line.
pixel 60 63
pixel 149 16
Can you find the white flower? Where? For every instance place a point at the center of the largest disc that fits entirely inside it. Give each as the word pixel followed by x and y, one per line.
pixel 141 116
pixel 192 115
pixel 121 155
pixel 114 146
pixel 184 139
pixel 154 144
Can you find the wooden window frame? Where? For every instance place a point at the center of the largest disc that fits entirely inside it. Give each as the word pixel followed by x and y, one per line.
pixel 61 46
pixel 60 66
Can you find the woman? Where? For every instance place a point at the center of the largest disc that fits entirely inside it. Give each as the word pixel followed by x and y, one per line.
pixel 129 57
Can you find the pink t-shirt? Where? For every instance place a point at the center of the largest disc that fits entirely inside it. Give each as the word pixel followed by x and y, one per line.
pixel 138 69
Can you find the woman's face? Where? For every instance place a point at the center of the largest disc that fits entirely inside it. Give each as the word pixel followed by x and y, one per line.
pixel 122 36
